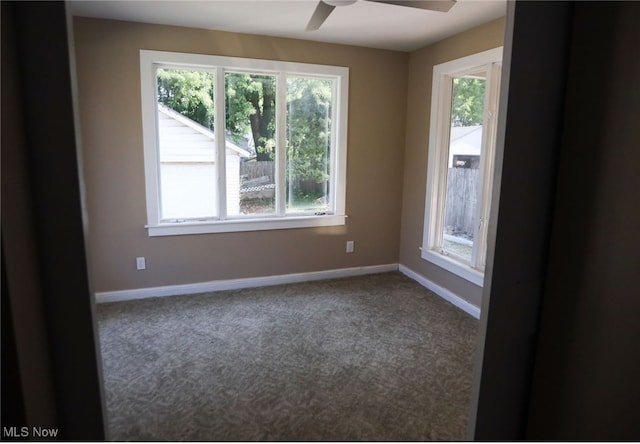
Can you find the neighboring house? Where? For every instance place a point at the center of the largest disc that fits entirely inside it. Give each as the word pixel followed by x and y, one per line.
pixel 465 145
pixel 187 159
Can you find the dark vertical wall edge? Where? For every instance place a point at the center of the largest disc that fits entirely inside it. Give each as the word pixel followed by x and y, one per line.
pixel 43 63
pixel 585 384
pixel 22 293
pixel 13 412
pixel 521 220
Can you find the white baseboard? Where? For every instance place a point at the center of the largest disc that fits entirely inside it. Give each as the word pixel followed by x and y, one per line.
pixel 440 291
pixel 234 284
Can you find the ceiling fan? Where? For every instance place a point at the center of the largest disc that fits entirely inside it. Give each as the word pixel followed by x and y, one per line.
pixel 326 7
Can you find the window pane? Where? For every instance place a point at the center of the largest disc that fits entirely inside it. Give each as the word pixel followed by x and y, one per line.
pixel 465 146
pixel 250 140
pixel 308 144
pixel 186 144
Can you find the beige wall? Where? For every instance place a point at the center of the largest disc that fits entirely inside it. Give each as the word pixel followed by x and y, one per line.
pixel 109 94
pixel 421 64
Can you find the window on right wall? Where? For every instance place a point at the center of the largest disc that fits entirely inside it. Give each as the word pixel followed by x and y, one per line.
pixel 464 107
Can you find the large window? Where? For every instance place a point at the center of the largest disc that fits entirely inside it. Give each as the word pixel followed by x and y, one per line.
pixel 464 109
pixel 234 144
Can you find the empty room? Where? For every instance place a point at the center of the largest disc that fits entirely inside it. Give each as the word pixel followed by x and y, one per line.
pixel 389 229
pixel 324 177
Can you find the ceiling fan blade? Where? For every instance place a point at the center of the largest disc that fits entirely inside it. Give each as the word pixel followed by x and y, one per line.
pixel 431 5
pixel 319 15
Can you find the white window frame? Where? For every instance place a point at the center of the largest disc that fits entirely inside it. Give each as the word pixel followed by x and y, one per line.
pixel 151 60
pixel 440 127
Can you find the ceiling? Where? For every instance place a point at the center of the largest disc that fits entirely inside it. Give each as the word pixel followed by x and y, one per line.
pixel 365 23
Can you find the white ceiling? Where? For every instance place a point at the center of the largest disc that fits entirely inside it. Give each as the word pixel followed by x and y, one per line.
pixel 365 23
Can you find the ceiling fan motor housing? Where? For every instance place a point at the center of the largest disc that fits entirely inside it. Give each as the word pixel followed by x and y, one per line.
pixel 339 2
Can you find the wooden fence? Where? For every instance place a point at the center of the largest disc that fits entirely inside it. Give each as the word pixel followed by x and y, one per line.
pixel 254 170
pixel 462 192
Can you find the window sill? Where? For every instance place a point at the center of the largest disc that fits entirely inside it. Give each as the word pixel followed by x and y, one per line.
pixel 462 270
pixel 234 225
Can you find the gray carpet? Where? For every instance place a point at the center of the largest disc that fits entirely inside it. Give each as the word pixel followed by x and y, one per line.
pixel 371 358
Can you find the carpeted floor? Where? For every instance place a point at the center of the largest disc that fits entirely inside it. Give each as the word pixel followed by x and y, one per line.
pixel 370 358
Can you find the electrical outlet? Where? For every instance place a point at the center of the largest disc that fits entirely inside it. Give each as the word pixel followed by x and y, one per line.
pixel 140 263
pixel 350 246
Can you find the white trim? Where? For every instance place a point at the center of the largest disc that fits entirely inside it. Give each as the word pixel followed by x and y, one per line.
pixel 247 224
pixel 150 60
pixel 339 130
pixel 238 64
pixel 463 64
pixel 456 267
pixel 221 140
pixel 148 87
pixel 265 281
pixel 235 284
pixel 456 300
pixel 489 148
pixel 439 135
pixel 281 143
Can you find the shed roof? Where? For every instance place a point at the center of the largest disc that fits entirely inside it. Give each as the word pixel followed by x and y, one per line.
pixel 466 140
pixel 185 140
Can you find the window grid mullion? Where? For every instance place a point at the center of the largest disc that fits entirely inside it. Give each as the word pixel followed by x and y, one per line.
pixel 156 151
pixel 219 137
pixel 492 96
pixel 442 158
pixel 478 218
pixel 281 143
pixel 333 152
